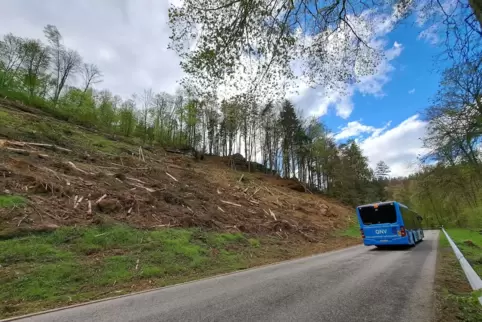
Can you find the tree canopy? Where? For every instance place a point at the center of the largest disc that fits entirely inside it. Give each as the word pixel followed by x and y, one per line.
pixel 320 42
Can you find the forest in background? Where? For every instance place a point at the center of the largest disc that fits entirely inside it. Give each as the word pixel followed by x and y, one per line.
pixel 448 189
pixel 337 41
pixel 54 78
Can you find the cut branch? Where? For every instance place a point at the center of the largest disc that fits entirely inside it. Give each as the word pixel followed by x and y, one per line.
pixel 73 166
pixel 100 199
pixel 230 203
pixel 141 155
pixel 78 201
pixel 43 145
pixel 172 177
pixel 21 220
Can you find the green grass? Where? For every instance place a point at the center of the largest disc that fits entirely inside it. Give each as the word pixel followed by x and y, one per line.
pixel 473 215
pixel 353 229
pixel 27 127
pixel 73 264
pixel 457 301
pixel 470 244
pixel 35 101
pixel 254 242
pixel 8 201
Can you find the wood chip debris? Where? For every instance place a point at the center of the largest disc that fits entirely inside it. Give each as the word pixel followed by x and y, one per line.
pixel 73 166
pixel 141 154
pixel 269 191
pixel 256 191
pixel 77 201
pixel 134 179
pixel 21 220
pixel 101 198
pixel 231 203
pixel 142 187
pixel 172 177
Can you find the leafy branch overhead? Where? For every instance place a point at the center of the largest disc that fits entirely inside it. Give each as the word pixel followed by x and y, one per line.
pixel 267 43
pixel 230 35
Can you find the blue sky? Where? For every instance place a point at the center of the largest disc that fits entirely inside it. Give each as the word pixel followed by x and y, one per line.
pixel 389 125
pixel 128 40
pixel 413 82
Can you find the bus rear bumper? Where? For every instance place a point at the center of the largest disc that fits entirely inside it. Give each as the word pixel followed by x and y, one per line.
pixel 386 242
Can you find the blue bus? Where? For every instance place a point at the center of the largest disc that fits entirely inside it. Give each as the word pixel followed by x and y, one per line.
pixel 389 223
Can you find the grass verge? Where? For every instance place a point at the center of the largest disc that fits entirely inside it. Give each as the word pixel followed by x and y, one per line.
pixel 470 244
pixel 71 265
pixel 9 201
pixel 352 231
pixel 455 300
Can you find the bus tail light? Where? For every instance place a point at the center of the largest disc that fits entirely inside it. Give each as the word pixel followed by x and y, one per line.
pixel 362 233
pixel 403 232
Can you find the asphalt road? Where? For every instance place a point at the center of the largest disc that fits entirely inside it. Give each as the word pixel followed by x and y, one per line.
pixel 356 284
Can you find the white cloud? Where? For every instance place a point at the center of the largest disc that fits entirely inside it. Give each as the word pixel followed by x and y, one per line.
pixel 126 39
pixel 431 34
pixel 412 91
pixel 431 18
pixel 316 101
pixel 373 84
pixel 398 146
pixel 425 10
pixel 355 129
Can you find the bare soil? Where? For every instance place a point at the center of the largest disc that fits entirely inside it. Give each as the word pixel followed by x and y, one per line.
pixel 75 176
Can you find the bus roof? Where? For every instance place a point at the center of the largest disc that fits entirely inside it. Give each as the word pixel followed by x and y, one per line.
pixel 382 203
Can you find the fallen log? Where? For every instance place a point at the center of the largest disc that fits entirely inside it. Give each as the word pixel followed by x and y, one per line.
pixel 43 145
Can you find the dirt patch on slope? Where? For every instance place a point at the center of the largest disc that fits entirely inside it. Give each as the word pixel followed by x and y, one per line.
pixel 75 184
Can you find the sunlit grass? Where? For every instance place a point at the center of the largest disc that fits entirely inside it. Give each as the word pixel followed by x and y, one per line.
pixel 8 201
pixel 470 244
pixel 72 264
pixel 457 301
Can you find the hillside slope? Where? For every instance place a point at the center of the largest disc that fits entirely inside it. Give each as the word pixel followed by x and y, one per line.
pixel 76 176
pixel 85 216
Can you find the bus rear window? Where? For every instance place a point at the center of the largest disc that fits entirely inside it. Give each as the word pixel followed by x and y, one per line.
pixel 383 214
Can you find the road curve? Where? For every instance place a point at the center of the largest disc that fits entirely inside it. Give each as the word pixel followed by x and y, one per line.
pixel 356 284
